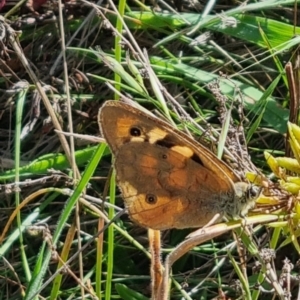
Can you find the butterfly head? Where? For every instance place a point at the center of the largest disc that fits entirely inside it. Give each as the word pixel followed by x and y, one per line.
pixel 245 196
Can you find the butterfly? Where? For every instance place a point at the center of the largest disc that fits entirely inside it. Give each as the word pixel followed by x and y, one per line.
pixel 167 179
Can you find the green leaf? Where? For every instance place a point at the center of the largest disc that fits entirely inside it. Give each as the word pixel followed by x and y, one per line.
pixel 51 161
pixel 128 294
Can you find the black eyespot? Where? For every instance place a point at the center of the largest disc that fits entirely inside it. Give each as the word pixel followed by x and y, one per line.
pixel 151 199
pixel 134 131
pixel 164 156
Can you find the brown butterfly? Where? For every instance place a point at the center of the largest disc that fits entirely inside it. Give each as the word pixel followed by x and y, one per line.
pixel 167 179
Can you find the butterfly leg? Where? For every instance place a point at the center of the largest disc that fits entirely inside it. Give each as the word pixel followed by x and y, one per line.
pixel 215 218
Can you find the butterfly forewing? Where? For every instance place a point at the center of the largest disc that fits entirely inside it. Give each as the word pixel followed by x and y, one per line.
pixel 121 119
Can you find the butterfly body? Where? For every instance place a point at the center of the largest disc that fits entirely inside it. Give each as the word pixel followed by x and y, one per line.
pixel 166 178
